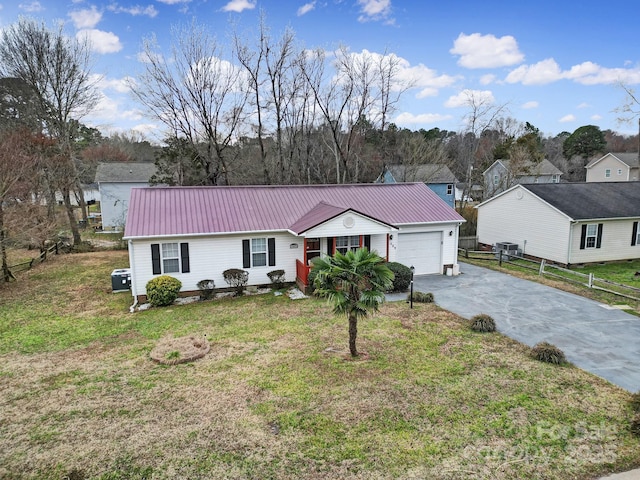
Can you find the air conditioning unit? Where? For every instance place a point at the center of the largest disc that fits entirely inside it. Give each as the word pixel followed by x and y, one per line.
pixel 507 249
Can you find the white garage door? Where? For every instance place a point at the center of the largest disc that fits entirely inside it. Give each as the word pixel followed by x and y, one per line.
pixel 422 250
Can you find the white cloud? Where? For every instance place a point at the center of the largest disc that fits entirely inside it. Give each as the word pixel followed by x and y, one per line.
pixel 119 85
pixel 406 118
pixel 173 2
pixel 463 98
pixel 239 6
pixel 487 79
pixel 32 7
pixel 584 105
pixel 568 118
pixel 530 105
pixel 306 8
pixel 596 117
pixel 101 42
pixel 486 51
pixel 87 18
pixel 586 73
pixel 149 11
pixel 374 10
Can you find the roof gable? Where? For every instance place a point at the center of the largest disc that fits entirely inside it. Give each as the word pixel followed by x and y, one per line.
pixel 426 172
pixel 125 172
pixel 167 211
pixel 629 159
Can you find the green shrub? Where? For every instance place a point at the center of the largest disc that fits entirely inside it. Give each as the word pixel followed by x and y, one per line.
pixel 421 297
pixel 546 352
pixel 277 278
pixel 482 323
pixel 635 425
pixel 635 402
pixel 206 288
pixel 402 276
pixel 237 279
pixel 163 290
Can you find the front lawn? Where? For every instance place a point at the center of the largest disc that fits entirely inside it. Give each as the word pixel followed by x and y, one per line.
pixel 276 397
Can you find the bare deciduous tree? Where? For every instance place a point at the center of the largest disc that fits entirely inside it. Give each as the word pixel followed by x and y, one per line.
pixel 197 94
pixel 57 69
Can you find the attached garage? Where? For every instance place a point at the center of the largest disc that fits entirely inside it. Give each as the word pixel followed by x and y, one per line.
pixel 422 250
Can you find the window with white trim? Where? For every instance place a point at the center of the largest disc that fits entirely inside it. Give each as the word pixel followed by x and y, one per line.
pixel 555 178
pixel 592 235
pixel 258 252
pixel 619 171
pixel 607 173
pixel 449 188
pixel 170 258
pixel 344 244
pixel 496 179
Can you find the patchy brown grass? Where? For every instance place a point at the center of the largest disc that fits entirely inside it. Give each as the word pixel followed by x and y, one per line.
pixel 172 351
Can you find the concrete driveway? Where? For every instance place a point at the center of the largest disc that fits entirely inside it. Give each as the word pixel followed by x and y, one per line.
pixel 603 341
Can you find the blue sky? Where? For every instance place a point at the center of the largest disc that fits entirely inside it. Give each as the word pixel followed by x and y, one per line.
pixel 555 64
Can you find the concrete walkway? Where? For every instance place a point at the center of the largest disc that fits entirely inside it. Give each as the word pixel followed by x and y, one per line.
pixel 593 337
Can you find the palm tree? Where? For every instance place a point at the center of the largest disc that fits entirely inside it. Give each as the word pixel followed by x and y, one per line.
pixel 355 283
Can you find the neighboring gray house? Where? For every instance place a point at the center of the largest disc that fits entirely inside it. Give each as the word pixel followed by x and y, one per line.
pixel 438 177
pixel 567 223
pixel 115 181
pixel 614 167
pixel 503 174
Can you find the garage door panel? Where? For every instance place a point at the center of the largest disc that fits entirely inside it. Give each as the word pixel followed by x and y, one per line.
pixel 422 250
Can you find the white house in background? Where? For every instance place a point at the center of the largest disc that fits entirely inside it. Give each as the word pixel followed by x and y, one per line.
pixel 196 233
pixel 614 167
pixel 115 181
pixel 567 223
pixel 504 174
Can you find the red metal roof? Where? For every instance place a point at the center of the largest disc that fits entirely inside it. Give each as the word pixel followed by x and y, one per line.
pixel 161 211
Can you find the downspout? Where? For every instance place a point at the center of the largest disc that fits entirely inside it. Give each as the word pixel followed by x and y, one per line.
pixel 134 292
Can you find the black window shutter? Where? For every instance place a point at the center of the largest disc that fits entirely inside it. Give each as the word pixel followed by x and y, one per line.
pixel 271 242
pixel 367 242
pixel 330 241
pixel 634 234
pixel 246 254
pixel 155 258
pixel 184 256
pixel 583 237
pixel 599 240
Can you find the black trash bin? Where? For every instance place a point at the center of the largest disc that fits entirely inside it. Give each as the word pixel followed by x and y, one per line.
pixel 121 279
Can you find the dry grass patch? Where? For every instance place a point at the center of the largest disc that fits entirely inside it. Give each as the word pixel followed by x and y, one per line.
pixel 172 351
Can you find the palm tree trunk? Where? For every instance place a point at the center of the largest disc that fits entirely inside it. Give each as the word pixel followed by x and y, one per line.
pixel 353 333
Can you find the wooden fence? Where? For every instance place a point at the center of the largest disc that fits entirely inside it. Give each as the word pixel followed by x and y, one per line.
pixel 19 267
pixel 543 268
pixel 468 243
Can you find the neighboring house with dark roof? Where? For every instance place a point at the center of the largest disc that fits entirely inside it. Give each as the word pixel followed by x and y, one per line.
pixel 115 181
pixel 567 223
pixel 196 233
pixel 504 174
pixel 614 167
pixel 438 177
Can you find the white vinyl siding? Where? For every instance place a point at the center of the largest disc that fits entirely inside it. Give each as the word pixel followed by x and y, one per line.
pixel 114 202
pixel 616 243
pixel 509 218
pixel 598 171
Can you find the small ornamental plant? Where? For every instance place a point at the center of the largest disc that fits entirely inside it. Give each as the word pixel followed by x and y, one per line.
pixel 206 288
pixel 237 279
pixel 163 290
pixel 401 276
pixel 421 297
pixel 277 278
pixel 482 323
pixel 546 352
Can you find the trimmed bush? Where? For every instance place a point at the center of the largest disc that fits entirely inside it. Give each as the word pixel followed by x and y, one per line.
pixel 546 352
pixel 237 279
pixel 482 323
pixel 163 290
pixel 421 297
pixel 206 288
pixel 402 276
pixel 277 278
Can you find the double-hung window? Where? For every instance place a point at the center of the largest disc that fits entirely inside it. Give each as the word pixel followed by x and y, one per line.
pixel 258 252
pixel 607 173
pixel 496 180
pixel 344 244
pixel 170 257
pixel 592 235
pixel 449 188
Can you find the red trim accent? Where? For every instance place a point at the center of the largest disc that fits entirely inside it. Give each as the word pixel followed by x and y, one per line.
pixel 361 241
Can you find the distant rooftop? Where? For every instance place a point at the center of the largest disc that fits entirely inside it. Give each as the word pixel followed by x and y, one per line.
pixel 125 172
